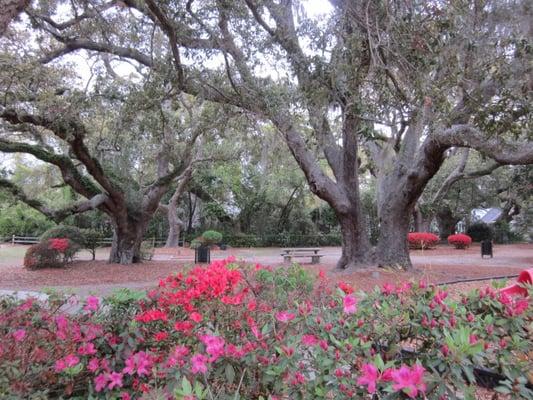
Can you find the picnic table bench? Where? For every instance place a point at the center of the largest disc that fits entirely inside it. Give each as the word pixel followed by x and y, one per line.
pixel 288 254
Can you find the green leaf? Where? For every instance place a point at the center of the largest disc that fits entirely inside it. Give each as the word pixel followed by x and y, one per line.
pixel 230 373
pixel 186 386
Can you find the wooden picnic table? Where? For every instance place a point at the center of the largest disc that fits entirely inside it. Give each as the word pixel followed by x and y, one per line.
pixel 312 252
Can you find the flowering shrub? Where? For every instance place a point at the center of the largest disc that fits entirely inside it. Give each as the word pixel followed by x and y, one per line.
pixel 224 331
pixel 75 237
pixel 45 255
pixel 460 240
pixel 422 240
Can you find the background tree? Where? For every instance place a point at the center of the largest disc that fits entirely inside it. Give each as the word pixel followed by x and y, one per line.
pixel 119 144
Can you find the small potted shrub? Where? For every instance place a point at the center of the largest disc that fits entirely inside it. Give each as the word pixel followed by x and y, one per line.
pixel 422 240
pixel 211 237
pixel 460 240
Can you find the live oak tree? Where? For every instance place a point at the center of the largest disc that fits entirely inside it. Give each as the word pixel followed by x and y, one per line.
pixel 461 80
pixel 405 81
pixel 120 145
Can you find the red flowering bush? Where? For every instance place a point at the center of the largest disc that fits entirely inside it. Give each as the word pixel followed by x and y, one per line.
pixel 460 241
pixel 50 253
pixel 41 255
pixel 60 245
pixel 422 240
pixel 226 331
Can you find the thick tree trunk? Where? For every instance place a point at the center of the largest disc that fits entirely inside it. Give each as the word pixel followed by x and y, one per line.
pixel 174 230
pixel 396 205
pixel 446 221
pixel 126 246
pixel 392 250
pixel 356 249
pixel 422 223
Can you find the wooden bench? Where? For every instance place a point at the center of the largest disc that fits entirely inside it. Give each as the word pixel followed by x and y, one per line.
pixel 289 254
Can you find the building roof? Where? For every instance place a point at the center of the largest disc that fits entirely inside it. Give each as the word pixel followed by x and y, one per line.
pixel 491 215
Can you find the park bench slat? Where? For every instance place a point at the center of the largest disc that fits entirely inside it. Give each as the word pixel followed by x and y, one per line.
pixel 288 254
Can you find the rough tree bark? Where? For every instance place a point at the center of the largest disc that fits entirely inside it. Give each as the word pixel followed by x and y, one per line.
pixel 127 239
pixel 175 224
pixel 446 221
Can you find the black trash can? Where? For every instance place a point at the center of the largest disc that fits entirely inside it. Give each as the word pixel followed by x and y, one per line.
pixel 202 254
pixel 486 248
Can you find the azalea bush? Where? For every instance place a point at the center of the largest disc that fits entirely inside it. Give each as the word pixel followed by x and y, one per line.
pixel 422 240
pixel 460 241
pixel 227 331
pixel 49 253
pixel 74 235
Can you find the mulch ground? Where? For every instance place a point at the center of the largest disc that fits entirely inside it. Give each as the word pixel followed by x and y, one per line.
pixel 94 273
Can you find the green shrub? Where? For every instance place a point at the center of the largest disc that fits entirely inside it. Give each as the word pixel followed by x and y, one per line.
pixel 91 240
pixel 72 233
pixel 480 231
pixel 22 220
pixel 121 307
pixel 285 283
pixel 196 243
pixel 242 240
pixel 212 237
pixel 504 234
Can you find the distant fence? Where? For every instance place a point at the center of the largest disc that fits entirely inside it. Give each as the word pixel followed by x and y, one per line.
pixel 106 242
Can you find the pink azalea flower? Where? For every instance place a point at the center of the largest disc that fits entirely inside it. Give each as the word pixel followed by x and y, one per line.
pixel 285 316
pixel 139 363
pixel 115 380
pixel 60 365
pixel 410 380
pixel 19 335
pixel 100 382
pixel 92 365
pixel 252 305
pixel 198 362
pixel 369 378
pixel 160 336
pixel 27 304
pixel 309 340
pixel 71 360
pixel 125 396
pixel 350 304
pixel 234 351
pixel 91 304
pixel 298 379
pixel 387 288
pixel 87 349
pixel 214 346
pixel 404 287
pixel 196 317
pixel 440 296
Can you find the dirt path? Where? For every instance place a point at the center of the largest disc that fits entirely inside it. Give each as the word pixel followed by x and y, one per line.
pixel 97 277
